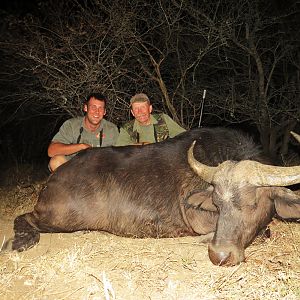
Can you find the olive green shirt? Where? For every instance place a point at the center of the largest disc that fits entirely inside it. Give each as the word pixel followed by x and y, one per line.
pixel 146 133
pixel 70 131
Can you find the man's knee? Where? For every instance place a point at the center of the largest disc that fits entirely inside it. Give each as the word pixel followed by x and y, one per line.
pixel 56 161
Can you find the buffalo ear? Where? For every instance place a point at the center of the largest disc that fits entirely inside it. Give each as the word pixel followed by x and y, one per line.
pixel 201 199
pixel 198 211
pixel 287 203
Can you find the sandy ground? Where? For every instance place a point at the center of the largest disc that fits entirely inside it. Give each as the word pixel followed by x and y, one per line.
pixel 98 265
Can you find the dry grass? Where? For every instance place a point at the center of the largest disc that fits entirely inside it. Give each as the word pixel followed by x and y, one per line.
pixel 96 265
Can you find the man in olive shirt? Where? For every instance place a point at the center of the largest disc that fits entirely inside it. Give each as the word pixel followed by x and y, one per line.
pixel 81 133
pixel 146 127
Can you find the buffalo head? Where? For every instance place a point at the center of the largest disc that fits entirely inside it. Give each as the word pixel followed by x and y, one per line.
pixel 246 194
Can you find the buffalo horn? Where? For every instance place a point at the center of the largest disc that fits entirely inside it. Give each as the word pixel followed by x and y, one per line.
pixel 296 136
pixel 204 171
pixel 266 175
pixel 249 171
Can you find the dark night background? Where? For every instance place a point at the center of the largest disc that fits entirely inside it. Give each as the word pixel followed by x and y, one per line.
pixel 244 53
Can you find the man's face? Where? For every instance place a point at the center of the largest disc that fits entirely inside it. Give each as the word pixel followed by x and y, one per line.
pixel 142 111
pixel 95 111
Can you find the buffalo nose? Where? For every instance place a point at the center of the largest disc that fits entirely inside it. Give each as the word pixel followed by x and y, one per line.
pixel 220 258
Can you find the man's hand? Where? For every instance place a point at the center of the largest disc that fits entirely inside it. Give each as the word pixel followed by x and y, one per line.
pixel 84 146
pixel 56 148
pixel 142 144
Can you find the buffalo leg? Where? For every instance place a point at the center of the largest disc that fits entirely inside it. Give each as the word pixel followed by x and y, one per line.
pixel 26 236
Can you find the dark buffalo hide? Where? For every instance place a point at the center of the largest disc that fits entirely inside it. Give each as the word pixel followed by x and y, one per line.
pixel 152 191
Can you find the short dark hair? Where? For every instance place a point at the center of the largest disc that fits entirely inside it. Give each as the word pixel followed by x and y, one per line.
pixel 97 96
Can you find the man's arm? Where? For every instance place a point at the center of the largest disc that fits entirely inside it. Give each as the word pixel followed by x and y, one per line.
pixel 57 148
pixel 64 142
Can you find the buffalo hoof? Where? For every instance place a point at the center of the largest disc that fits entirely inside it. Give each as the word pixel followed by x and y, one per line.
pixel 26 236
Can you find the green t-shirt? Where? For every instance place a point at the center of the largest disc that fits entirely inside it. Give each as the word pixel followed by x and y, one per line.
pixel 146 133
pixel 70 131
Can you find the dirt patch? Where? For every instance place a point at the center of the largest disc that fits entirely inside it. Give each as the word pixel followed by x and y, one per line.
pixel 98 265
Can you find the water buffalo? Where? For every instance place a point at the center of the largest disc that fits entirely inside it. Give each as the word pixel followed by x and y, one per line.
pixel 221 190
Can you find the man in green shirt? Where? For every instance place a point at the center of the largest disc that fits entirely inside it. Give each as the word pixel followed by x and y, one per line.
pixel 146 127
pixel 80 133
